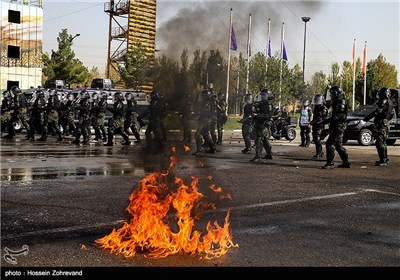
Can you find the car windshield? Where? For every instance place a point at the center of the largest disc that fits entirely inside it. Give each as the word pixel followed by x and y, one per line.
pixel 363 110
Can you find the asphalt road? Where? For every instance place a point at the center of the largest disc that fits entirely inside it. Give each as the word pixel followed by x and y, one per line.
pixel 58 198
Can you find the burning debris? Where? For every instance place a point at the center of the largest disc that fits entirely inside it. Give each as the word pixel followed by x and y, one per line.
pixel 158 196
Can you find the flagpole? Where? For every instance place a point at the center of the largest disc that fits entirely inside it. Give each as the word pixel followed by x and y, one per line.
pixel 365 72
pixel 354 74
pixel 229 62
pixel 280 77
pixel 267 52
pixel 248 55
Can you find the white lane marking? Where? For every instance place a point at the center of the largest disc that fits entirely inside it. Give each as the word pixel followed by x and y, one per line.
pixel 74 228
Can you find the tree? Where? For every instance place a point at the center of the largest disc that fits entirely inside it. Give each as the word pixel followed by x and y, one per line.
pixel 62 63
pixel 136 67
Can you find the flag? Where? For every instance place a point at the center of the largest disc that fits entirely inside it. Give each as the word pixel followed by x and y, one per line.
pixel 364 66
pixel 233 40
pixel 284 54
pixel 353 64
pixel 269 48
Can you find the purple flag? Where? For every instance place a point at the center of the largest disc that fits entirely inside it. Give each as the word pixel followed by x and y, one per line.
pixel 269 48
pixel 284 54
pixel 233 40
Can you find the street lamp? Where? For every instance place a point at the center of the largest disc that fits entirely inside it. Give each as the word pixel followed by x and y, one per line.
pixel 305 19
pixel 76 35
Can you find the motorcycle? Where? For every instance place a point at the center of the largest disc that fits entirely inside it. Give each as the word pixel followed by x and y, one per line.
pixel 284 128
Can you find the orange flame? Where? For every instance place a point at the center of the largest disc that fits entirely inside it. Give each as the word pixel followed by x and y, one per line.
pixel 186 148
pixel 149 229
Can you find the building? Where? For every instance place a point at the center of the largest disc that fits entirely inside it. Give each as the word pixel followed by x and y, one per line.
pixel 21 43
pixel 131 21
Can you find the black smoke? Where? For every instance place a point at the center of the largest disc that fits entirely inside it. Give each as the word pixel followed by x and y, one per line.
pixel 204 25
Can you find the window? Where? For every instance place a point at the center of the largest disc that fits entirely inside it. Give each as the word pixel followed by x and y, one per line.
pixel 13 51
pixel 14 16
pixel 10 84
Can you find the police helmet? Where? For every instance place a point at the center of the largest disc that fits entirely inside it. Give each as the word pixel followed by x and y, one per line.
pixel 16 90
pixel 95 96
pixel 306 102
pixel 118 96
pixel 248 98
pixel 221 96
pixel 70 96
pixel 6 94
pixel 40 93
pixel 283 108
pixel 84 94
pixel 104 95
pixel 266 94
pixel 128 96
pixel 52 92
pixel 383 93
pixel 336 93
pixel 205 95
pixel 318 99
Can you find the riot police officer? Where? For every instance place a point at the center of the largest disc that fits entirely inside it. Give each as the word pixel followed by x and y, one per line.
pixel 155 113
pixel 320 113
pixel 382 116
pixel 185 116
pixel 83 127
pixel 131 121
pixel 98 112
pixel 206 114
pixel 247 122
pixel 263 119
pixel 337 126
pixel 116 123
pixel 221 113
pixel 306 116
pixel 51 116
pixel 38 107
pixel 21 109
pixel 67 114
pixel 6 107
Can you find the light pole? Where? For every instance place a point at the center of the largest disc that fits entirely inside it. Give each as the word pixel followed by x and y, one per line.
pixel 305 19
pixel 76 35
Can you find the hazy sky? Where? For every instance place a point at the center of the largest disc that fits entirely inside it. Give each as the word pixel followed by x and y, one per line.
pixel 195 24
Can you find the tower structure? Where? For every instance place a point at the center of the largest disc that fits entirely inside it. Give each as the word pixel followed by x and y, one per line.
pixel 130 22
pixel 21 43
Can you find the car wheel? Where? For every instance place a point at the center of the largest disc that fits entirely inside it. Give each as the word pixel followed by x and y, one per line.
pixel 290 134
pixel 365 137
pixel 390 141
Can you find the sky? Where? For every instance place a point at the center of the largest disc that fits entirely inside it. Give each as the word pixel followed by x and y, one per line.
pixel 195 24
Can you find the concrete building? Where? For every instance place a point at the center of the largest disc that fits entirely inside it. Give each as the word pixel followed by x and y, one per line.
pixel 21 43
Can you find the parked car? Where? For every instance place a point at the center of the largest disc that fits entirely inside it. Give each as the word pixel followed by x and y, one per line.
pixel 362 131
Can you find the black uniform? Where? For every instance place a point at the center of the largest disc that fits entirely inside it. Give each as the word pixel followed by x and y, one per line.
pixel 222 117
pixel 206 116
pixel 116 123
pixel 248 122
pixel 51 119
pixel 83 127
pixel 320 113
pixel 6 107
pixel 337 126
pixel 263 119
pixel 155 114
pixel 38 106
pixel 67 115
pixel 98 112
pixel 131 118
pixel 382 116
pixel 185 115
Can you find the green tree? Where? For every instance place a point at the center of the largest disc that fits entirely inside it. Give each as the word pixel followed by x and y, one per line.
pixel 62 64
pixel 319 84
pixel 135 70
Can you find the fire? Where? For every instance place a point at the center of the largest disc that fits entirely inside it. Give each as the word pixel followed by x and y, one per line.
pixel 186 148
pixel 158 196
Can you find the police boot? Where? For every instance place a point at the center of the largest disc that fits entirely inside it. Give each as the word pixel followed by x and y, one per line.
pixel 110 140
pixel 329 160
pixel 59 136
pixel 258 152
pixel 43 137
pixel 382 158
pixel 345 161
pixel 126 139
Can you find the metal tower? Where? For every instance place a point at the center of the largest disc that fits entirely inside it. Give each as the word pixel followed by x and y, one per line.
pixel 130 21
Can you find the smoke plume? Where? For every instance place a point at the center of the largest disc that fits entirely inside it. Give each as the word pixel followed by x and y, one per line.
pixel 204 25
